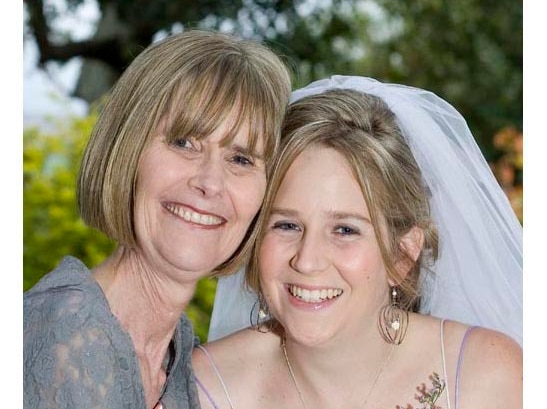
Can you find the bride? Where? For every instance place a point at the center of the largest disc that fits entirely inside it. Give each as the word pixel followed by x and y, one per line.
pixel 387 268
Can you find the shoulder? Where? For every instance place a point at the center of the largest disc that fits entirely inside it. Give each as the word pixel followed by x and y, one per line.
pixel 493 352
pixel 69 283
pixel 66 291
pixel 73 345
pixel 491 370
pixel 66 308
pixel 485 364
pixel 69 271
pixel 236 362
pixel 482 351
pixel 234 351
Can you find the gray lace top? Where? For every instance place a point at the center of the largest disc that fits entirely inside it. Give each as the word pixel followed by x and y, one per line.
pixel 77 355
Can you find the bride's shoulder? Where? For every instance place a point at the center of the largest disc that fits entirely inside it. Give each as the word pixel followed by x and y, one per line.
pixel 492 351
pixel 238 368
pixel 482 344
pixel 242 349
pixel 490 368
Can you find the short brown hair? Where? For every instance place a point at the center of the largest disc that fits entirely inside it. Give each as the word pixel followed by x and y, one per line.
pixel 188 83
pixel 362 129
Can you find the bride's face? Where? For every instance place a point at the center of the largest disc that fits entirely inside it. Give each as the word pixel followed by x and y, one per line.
pixel 321 269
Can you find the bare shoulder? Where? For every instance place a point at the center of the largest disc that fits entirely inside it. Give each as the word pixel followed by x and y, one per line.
pixel 225 353
pixel 493 352
pixel 231 364
pixel 239 346
pixel 491 372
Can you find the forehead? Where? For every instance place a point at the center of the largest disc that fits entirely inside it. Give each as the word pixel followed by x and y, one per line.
pixel 234 131
pixel 321 179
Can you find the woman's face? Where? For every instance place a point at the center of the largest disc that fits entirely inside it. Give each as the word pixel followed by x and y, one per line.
pixel 320 265
pixel 196 199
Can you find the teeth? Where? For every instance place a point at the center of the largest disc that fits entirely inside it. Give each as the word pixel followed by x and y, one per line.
pixel 314 296
pixel 194 217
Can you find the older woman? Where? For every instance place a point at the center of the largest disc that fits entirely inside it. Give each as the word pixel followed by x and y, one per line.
pixel 382 225
pixel 175 172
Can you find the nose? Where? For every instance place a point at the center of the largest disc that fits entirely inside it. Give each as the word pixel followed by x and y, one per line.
pixel 311 256
pixel 209 176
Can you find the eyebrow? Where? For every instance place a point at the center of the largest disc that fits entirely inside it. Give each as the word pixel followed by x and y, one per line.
pixel 348 215
pixel 247 152
pixel 336 215
pixel 280 211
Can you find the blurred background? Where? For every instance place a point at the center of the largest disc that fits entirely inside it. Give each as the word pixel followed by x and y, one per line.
pixel 469 52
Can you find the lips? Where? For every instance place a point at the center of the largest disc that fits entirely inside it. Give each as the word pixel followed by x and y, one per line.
pixel 316 295
pixel 193 216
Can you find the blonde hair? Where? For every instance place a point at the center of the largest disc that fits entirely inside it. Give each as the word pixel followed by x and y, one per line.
pixel 363 129
pixel 185 85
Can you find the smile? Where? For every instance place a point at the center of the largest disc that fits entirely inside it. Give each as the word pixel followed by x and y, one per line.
pixel 193 216
pixel 314 296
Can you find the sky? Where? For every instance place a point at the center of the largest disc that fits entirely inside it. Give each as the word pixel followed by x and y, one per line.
pixel 46 93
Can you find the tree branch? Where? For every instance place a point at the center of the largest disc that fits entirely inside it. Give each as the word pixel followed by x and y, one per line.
pixel 108 50
pixel 39 27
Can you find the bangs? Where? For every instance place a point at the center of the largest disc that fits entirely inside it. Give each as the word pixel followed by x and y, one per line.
pixel 205 100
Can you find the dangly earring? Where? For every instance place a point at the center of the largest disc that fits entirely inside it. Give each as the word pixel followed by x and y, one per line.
pixel 393 320
pixel 260 316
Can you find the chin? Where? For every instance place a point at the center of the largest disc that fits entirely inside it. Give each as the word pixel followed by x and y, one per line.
pixel 193 259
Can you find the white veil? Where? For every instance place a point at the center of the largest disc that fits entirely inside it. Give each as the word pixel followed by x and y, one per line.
pixel 478 275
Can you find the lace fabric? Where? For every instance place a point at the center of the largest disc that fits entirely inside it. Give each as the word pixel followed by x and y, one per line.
pixel 76 355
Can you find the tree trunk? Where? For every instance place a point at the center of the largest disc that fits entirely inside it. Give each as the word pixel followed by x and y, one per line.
pixel 97 77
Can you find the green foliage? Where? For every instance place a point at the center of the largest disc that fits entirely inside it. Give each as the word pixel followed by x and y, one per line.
pixel 468 52
pixel 51 224
pixel 199 310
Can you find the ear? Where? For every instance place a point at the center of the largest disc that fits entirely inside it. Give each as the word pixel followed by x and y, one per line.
pixel 411 245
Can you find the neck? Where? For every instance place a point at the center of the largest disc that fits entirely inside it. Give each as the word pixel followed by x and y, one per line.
pixel 332 351
pixel 321 376
pixel 146 302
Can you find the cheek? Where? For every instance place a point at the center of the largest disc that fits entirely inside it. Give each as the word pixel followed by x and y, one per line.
pixel 360 262
pixel 271 257
pixel 142 203
pixel 272 264
pixel 248 195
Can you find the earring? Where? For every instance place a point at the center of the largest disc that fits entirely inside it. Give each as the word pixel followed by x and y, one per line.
pixel 393 320
pixel 260 316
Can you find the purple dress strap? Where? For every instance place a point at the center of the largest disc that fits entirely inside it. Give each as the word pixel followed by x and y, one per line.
pixel 219 377
pixel 458 368
pixel 206 392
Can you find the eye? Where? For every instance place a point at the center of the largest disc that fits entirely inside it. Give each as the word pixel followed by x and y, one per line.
pixel 346 230
pixel 183 143
pixel 285 226
pixel 242 160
